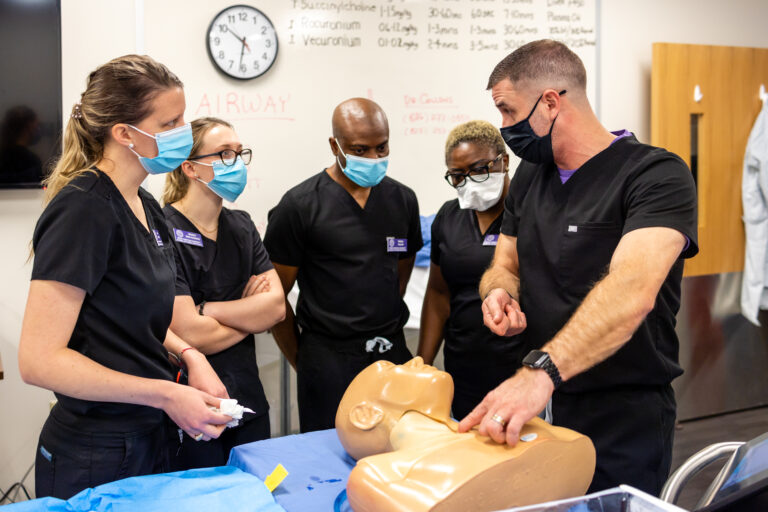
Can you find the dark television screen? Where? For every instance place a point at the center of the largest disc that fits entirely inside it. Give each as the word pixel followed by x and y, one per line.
pixel 30 90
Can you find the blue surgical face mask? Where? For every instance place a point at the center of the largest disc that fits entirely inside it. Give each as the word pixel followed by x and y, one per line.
pixel 173 147
pixel 524 142
pixel 365 172
pixel 228 180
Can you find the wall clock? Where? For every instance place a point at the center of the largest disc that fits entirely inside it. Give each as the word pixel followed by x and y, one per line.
pixel 242 42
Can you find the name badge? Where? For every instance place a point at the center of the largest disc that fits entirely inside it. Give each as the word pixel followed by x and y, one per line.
pixel 397 244
pixel 187 237
pixel 491 239
pixel 157 238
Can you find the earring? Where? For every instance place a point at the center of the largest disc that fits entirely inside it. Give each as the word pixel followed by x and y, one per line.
pixel 130 145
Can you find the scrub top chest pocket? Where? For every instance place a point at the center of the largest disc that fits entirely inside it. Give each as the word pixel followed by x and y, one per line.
pixel 586 252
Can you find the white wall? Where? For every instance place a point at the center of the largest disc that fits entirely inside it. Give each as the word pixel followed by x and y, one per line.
pixel 630 27
pixel 94 31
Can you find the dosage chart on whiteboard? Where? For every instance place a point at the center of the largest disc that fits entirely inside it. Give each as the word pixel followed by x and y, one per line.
pixel 440 25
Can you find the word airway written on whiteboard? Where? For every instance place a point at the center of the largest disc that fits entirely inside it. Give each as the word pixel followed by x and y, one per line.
pixel 241 106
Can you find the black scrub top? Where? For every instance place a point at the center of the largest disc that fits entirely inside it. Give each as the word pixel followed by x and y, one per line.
pixel 566 236
pixel 217 270
pixel 463 254
pixel 88 237
pixel 347 256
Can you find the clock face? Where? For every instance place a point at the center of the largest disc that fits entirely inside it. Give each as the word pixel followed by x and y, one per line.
pixel 242 42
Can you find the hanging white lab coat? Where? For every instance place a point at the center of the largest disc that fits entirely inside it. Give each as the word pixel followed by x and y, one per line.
pixel 754 199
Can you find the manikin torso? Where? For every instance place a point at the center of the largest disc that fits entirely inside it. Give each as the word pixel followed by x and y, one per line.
pixel 427 466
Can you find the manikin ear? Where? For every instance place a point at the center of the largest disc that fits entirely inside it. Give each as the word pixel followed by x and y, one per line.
pixel 365 416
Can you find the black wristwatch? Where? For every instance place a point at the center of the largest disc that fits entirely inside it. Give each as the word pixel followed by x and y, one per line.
pixel 539 360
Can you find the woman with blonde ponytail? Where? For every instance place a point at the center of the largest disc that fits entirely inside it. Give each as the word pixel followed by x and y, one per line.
pixel 226 288
pixel 96 325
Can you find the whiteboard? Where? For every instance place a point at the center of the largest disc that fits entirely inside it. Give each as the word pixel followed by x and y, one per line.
pixel 426 62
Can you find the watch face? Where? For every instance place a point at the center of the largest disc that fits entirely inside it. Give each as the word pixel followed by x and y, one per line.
pixel 242 42
pixel 535 358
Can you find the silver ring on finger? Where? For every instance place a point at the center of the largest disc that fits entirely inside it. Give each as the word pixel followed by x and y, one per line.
pixel 498 419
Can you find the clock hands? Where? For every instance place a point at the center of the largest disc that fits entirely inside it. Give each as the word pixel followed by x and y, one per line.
pixel 241 39
pixel 234 34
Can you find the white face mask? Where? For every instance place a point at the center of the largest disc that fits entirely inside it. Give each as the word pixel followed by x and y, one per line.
pixel 481 196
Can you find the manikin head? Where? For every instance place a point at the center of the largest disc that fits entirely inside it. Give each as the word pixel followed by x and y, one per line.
pixel 379 396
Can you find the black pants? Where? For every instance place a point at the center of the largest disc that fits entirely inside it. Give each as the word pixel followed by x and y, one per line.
pixel 632 430
pixel 75 453
pixel 325 368
pixel 186 453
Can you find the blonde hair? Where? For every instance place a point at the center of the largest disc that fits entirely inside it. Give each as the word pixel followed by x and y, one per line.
pixel 177 183
pixel 478 132
pixel 120 91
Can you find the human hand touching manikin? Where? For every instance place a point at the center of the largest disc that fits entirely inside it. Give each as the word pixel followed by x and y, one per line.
pixel 395 420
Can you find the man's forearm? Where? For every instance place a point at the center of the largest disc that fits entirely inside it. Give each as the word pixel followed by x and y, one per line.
pixel 604 321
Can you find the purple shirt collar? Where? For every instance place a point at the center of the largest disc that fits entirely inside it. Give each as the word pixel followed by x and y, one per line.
pixel 565 175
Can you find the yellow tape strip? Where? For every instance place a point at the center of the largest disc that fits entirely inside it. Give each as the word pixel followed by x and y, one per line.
pixel 276 477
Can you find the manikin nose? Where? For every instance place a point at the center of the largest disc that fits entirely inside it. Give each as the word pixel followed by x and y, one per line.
pixel 416 362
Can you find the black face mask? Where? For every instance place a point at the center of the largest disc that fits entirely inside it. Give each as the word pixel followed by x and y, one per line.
pixel 524 142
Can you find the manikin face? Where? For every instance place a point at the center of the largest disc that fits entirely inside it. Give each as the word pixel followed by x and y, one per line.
pixel 379 396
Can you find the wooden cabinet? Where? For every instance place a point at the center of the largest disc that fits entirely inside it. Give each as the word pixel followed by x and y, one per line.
pixel 710 135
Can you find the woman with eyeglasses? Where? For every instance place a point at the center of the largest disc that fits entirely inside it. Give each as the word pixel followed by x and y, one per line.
pixel 464 235
pixel 226 288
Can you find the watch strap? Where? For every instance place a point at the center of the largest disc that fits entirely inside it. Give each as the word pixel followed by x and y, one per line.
pixel 540 360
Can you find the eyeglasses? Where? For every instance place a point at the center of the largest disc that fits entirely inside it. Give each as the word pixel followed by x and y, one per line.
pixel 457 177
pixel 228 156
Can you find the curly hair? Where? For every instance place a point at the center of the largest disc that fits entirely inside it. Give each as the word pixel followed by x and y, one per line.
pixel 478 132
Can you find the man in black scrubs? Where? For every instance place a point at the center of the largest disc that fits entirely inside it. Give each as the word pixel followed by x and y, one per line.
pixel 349 236
pixel 587 270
